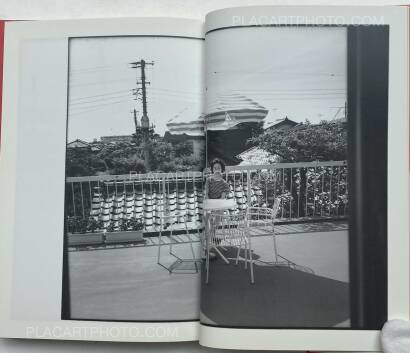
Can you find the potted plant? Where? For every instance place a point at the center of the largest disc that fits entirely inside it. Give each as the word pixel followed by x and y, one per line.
pixel 130 230
pixel 94 225
pixel 84 231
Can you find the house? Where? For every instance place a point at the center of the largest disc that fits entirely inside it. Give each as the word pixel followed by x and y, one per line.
pixel 78 144
pixel 116 138
pixel 280 124
pixel 198 142
pixel 256 156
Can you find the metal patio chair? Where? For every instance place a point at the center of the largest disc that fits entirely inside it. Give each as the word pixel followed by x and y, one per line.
pixel 264 218
pixel 169 223
pixel 229 230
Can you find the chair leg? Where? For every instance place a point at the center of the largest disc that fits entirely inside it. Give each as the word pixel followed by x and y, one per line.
pixel 246 254
pixel 170 241
pixel 207 265
pixel 190 244
pixel 251 260
pixel 238 252
pixel 207 248
pixel 275 248
pixel 192 249
pixel 159 247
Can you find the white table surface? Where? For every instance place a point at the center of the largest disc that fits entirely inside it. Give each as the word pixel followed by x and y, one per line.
pixel 218 204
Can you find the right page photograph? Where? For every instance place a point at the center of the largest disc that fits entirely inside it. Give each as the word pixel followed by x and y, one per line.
pixel 296 182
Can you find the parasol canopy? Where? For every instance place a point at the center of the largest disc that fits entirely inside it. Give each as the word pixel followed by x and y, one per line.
pixel 224 112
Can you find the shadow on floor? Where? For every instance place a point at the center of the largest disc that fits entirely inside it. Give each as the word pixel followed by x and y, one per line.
pixel 280 297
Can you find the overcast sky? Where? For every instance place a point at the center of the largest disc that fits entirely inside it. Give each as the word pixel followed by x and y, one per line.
pixel 100 101
pixel 299 72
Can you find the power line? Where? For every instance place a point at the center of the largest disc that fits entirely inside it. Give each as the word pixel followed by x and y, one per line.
pixel 97 100
pixel 306 95
pixel 84 111
pixel 100 95
pixel 175 91
pixel 98 83
pixel 97 67
pixel 287 89
pixel 102 104
pixel 279 72
pixel 304 98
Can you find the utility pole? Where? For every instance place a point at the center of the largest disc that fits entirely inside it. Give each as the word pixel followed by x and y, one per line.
pixel 141 87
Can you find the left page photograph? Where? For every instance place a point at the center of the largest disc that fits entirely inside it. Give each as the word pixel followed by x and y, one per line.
pixel 115 109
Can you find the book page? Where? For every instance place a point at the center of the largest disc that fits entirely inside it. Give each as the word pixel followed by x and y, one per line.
pixel 101 237
pixel 298 129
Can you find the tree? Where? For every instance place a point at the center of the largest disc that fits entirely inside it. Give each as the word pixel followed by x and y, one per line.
pixel 183 149
pixel 306 142
pixel 78 162
pixel 162 153
pixel 124 157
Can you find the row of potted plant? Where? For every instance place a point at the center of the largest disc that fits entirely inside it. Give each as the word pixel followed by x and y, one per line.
pixel 79 225
pixel 88 231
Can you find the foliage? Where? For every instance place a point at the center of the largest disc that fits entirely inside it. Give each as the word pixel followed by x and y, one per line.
pixel 136 224
pixel 71 224
pixel 306 142
pixel 110 228
pixel 124 224
pixel 306 192
pixel 83 225
pixel 78 162
pixel 94 225
pixel 303 192
pixel 124 157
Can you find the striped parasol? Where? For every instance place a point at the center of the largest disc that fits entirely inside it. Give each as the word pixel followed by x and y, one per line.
pixel 228 110
pixel 223 112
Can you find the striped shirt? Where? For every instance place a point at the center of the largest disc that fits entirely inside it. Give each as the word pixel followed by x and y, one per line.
pixel 216 187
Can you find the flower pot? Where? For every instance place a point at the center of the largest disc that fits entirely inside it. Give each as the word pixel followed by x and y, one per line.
pixel 124 236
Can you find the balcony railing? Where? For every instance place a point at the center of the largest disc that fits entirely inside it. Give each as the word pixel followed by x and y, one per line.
pixel 306 190
pixel 108 199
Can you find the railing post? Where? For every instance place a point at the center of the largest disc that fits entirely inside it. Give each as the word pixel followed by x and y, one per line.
pixel 248 191
pixel 291 194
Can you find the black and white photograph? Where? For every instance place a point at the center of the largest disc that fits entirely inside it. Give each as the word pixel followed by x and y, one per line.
pixel 133 179
pixel 236 184
pixel 277 208
pixel 239 180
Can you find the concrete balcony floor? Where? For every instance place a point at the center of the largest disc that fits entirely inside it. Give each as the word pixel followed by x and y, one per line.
pixel 126 283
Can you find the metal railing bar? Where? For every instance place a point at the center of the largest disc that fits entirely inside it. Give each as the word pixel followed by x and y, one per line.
pixel 238 168
pixel 138 177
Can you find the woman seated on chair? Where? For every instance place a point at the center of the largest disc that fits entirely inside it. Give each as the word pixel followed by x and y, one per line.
pixel 216 187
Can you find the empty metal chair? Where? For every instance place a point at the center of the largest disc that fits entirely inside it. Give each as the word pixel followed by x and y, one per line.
pixel 264 218
pixel 228 229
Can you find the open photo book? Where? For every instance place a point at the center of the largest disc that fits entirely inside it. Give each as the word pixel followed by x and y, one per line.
pixel 241 181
